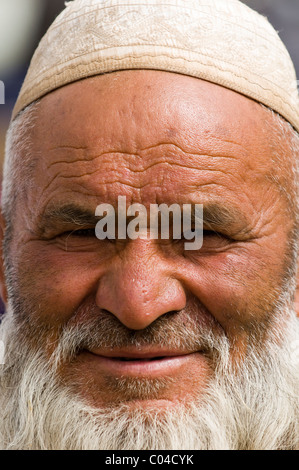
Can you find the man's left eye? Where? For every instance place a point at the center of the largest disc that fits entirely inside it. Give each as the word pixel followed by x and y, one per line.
pixel 89 232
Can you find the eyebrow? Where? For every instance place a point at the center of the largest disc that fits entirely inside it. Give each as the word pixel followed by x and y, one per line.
pixel 221 216
pixel 215 215
pixel 64 215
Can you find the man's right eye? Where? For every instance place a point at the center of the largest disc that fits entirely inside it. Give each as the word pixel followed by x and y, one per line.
pixel 82 239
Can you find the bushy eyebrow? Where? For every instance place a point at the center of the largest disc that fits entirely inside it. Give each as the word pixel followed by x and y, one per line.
pixel 216 216
pixel 220 216
pixel 64 215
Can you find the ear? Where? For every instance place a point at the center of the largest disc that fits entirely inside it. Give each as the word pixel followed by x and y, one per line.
pixel 3 291
pixel 297 291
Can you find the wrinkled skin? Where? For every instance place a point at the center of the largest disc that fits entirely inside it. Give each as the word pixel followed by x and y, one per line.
pixel 154 137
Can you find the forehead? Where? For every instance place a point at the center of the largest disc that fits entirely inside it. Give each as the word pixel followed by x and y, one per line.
pixel 161 103
pixel 146 132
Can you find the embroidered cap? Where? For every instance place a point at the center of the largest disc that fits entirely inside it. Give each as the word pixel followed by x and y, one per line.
pixel 222 41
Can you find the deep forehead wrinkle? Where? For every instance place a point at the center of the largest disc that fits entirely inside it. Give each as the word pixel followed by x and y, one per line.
pixel 90 154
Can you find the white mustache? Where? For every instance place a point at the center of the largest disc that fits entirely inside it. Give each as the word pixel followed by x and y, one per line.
pixel 187 330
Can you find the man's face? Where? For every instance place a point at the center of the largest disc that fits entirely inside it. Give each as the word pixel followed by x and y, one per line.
pixel 155 138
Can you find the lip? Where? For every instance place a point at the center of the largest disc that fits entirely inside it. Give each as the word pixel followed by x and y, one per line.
pixel 141 364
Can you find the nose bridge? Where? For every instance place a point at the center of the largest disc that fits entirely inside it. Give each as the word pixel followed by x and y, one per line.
pixel 138 286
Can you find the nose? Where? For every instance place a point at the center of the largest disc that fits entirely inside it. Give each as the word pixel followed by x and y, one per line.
pixel 140 286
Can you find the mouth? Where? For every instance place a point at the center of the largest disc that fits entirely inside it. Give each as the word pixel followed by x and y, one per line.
pixel 148 364
pixel 131 359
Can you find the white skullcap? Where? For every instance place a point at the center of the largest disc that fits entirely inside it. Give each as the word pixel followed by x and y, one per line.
pixel 222 41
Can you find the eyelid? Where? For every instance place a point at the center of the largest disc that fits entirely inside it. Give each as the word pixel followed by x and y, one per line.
pixel 78 232
pixel 214 232
pixel 84 229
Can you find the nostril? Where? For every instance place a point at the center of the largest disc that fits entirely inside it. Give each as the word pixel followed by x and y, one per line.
pixel 106 312
pixel 138 304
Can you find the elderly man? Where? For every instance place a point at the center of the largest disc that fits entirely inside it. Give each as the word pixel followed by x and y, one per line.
pixel 138 343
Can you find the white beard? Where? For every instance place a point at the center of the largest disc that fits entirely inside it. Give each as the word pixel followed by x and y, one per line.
pixel 254 407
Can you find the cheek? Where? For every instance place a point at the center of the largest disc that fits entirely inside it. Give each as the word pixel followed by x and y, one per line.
pixel 54 283
pixel 239 289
